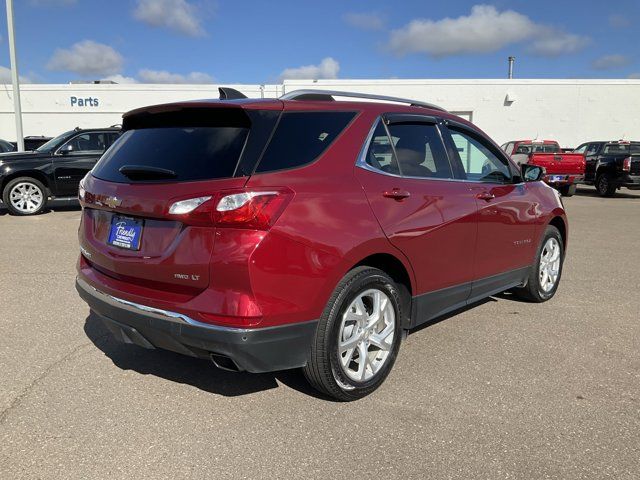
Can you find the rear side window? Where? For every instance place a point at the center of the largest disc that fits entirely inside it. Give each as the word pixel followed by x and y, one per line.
pixel 380 153
pixel 191 153
pixel 301 137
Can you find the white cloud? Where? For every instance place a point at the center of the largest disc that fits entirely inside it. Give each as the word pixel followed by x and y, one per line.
pixel 178 15
pixel 5 76
pixel 162 76
pixel 609 62
pixel 119 78
pixel 364 21
pixel 327 68
pixel 484 30
pixel 617 20
pixel 553 43
pixel 87 58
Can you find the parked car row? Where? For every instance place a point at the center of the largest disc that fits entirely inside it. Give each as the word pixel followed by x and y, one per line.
pixel 607 165
pixel 28 180
pixel 611 165
pixel 563 170
pixel 30 143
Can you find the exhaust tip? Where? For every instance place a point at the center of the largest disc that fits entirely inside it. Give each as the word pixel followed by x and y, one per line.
pixel 224 363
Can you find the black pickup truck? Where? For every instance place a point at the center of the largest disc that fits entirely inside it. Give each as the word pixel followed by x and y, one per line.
pixel 611 165
pixel 29 180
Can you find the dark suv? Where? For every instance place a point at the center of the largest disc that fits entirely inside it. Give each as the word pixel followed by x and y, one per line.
pixel 307 231
pixel 611 165
pixel 28 180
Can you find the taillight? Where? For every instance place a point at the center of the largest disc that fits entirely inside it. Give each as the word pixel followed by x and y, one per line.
pixel 626 164
pixel 254 209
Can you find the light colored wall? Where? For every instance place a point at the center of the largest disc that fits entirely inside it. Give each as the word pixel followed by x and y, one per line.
pixel 570 111
pixel 47 109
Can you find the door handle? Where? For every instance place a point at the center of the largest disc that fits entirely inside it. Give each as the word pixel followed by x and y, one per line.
pixel 396 194
pixel 486 196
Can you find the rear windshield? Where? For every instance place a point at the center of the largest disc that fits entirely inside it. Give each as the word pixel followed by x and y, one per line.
pixel 191 153
pixel 538 148
pixel 622 149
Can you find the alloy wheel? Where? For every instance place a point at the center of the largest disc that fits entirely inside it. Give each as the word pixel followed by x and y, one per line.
pixel 549 264
pixel 26 197
pixel 366 335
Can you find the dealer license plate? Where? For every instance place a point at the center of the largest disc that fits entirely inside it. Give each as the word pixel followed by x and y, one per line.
pixel 125 233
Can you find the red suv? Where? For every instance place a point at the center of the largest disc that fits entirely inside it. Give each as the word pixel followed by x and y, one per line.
pixel 307 231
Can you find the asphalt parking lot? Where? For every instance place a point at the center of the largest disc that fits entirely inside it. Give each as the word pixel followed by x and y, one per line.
pixel 502 390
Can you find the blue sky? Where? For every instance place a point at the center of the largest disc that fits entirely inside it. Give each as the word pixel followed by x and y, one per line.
pixel 238 41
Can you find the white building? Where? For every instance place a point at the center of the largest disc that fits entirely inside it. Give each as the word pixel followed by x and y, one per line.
pixel 570 111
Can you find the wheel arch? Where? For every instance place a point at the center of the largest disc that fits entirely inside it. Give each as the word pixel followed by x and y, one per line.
pixel 561 225
pixel 401 274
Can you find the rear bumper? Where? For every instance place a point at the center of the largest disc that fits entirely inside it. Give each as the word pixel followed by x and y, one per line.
pixel 630 181
pixel 255 350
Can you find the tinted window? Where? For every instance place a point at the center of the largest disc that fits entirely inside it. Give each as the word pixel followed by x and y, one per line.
pixel 478 160
pixel 545 148
pixel 593 148
pixel 301 137
pixel 89 142
pixel 54 143
pixel 581 148
pixel 621 149
pixel 5 146
pixel 380 154
pixel 112 137
pixel 193 153
pixel 420 151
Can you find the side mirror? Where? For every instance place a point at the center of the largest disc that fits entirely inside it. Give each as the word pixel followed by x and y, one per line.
pixel 66 149
pixel 532 173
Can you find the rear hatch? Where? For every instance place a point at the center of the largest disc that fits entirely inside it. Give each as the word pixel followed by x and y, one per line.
pixel 559 163
pixel 166 155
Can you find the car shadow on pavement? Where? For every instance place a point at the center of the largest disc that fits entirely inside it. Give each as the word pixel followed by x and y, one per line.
pixel 196 372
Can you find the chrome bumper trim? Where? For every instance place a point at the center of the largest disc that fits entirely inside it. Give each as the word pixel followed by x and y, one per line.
pixel 158 312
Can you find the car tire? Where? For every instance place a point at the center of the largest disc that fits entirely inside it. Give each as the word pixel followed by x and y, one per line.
pixel 568 190
pixel 548 265
pixel 347 361
pixel 24 196
pixel 605 185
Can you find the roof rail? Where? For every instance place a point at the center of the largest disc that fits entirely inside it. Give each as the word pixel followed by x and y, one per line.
pixel 327 95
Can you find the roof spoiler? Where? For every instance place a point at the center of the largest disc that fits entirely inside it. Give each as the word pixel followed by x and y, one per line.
pixel 227 93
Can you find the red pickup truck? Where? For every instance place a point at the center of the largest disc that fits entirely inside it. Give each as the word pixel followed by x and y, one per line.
pixel 563 170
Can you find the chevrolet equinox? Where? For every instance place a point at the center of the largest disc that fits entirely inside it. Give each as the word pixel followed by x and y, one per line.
pixel 311 231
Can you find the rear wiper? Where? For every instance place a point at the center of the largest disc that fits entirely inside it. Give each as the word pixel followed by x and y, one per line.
pixel 145 172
